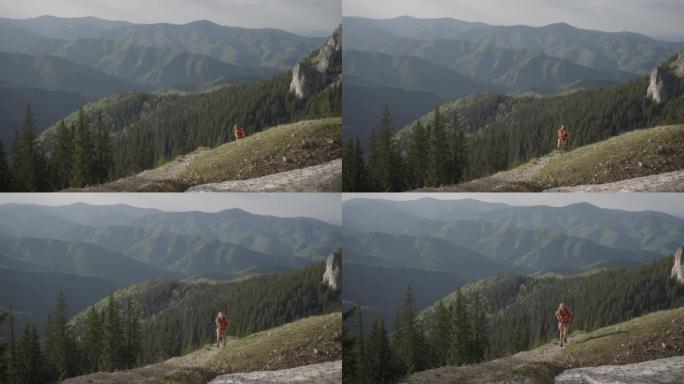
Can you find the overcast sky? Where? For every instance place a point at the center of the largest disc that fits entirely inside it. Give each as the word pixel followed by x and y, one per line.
pixel 671 203
pixel 321 206
pixel 657 18
pixel 318 17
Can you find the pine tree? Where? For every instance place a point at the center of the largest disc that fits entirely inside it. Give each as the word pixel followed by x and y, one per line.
pixel 60 345
pixel 462 338
pixel 458 158
pixel 12 362
pixel 27 157
pixel 113 336
pixel 349 360
pixel 84 156
pixel 30 367
pixel 409 339
pixel 61 157
pixel 384 160
pixel 354 167
pixel 361 353
pixel 381 368
pixel 5 172
pixel 131 336
pixel 480 339
pixel 92 341
pixel 416 155
pixel 103 151
pixel 440 335
pixel 438 154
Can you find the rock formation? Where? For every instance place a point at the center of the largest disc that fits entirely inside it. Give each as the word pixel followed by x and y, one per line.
pixel 333 271
pixel 678 267
pixel 667 80
pixel 321 69
pixel 670 370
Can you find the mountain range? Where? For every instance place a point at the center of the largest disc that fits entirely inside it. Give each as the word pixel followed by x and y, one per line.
pixel 91 58
pixel 505 59
pixel 115 246
pixel 472 239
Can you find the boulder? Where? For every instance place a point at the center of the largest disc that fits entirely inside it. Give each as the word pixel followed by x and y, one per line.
pixel 667 80
pixel 678 267
pixel 669 370
pixel 332 276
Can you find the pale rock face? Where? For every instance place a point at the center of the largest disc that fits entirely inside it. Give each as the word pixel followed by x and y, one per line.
pixel 667 81
pixel 678 267
pixel 670 370
pixel 320 70
pixel 333 271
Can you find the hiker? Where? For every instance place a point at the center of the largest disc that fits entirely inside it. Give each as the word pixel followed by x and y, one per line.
pixel 564 315
pixel 222 323
pixel 563 136
pixel 238 131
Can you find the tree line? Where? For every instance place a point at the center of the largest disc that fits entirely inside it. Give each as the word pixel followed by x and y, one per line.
pixel 81 156
pixel 456 335
pixel 482 134
pixel 109 340
pixel 436 154
pixel 125 134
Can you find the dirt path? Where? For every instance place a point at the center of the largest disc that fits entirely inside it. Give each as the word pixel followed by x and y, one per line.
pixel 664 182
pixel 515 369
pixel 324 373
pixel 318 178
pixel 152 372
pixel 512 180
pixel 159 178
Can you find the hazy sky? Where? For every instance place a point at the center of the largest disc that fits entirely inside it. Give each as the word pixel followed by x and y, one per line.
pixel 657 18
pixel 299 16
pixel 671 203
pixel 321 206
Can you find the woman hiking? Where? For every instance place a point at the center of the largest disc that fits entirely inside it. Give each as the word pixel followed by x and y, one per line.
pixel 564 315
pixel 222 323
pixel 563 136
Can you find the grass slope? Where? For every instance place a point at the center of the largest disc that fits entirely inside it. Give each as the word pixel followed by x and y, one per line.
pixel 653 336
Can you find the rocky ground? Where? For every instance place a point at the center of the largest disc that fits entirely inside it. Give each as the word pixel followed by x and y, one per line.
pixel 325 177
pixel 324 373
pixel 664 182
pixel 670 370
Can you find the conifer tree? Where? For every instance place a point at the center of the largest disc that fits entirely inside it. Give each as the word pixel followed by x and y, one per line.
pixel 440 335
pixel 131 336
pixel 103 151
pixel 462 339
pixel 380 364
pixel 5 172
pixel 113 337
pixel 30 368
pixel 361 353
pixel 384 159
pixel 480 339
pixel 409 339
pixel 84 156
pixel 11 356
pixel 354 167
pixel 458 159
pixel 416 155
pixel 61 157
pixel 438 153
pixel 60 345
pixel 92 340
pixel 27 156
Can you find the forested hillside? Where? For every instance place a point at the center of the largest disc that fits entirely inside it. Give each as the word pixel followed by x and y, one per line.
pixel 126 133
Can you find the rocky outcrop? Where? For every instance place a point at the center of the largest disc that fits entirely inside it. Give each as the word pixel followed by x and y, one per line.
pixel 324 373
pixel 678 267
pixel 321 69
pixel 670 370
pixel 667 80
pixel 332 276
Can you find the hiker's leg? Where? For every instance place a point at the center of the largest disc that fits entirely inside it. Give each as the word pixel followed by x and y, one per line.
pixel 560 330
pixel 218 336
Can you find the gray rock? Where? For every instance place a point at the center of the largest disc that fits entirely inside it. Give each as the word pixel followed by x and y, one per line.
pixel 320 70
pixel 670 370
pixel 667 80
pixel 324 373
pixel 333 271
pixel 678 267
